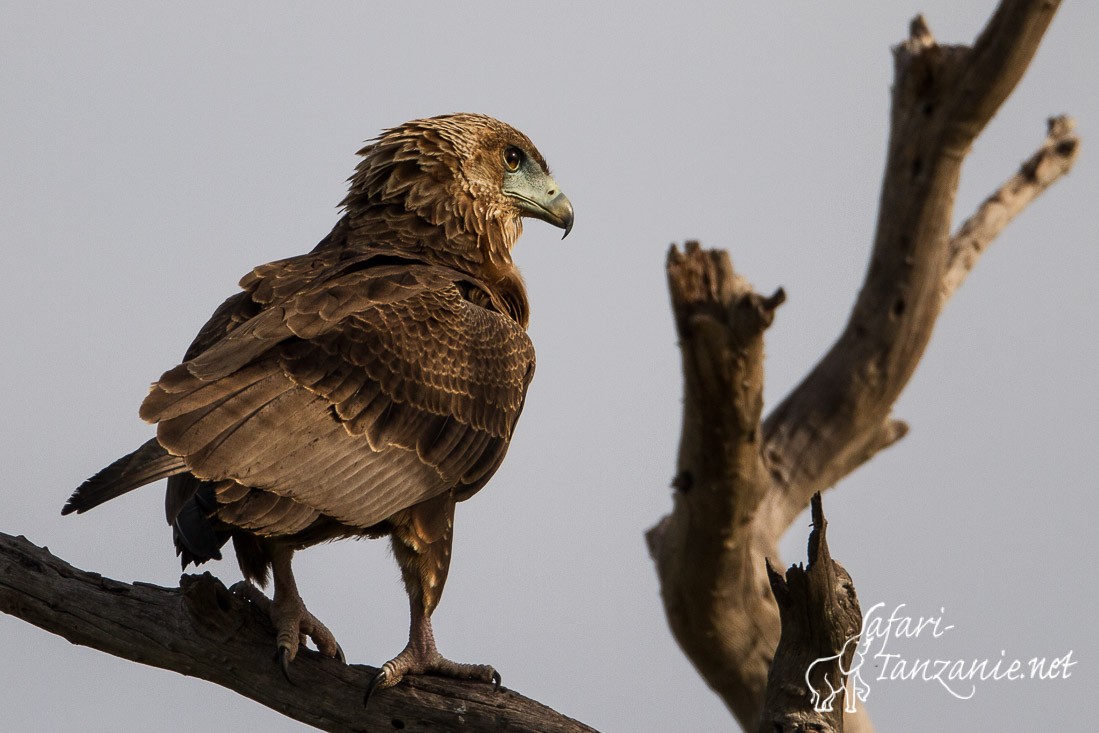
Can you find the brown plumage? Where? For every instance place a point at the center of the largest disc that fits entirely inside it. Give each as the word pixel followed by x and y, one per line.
pixel 362 388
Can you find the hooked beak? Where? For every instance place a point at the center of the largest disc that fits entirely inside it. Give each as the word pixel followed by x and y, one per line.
pixel 549 205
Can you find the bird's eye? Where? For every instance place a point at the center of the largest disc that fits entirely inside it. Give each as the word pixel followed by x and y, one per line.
pixel 512 158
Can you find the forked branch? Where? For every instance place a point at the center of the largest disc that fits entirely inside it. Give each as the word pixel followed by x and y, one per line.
pixel 740 483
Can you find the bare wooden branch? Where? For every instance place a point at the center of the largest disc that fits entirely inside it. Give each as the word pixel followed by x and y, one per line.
pixel 741 483
pixel 1000 57
pixel 203 630
pixel 1052 160
pixel 699 555
pixel 821 622
pixel 942 98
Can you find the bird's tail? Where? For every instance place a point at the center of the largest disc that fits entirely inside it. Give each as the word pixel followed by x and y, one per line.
pixel 148 463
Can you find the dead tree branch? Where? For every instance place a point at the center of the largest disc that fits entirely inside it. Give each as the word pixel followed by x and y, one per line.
pixel 821 623
pixel 204 630
pixel 700 549
pixel 937 94
pixel 1052 160
pixel 741 482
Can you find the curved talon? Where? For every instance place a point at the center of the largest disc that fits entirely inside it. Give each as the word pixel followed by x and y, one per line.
pixel 339 654
pixel 496 680
pixel 284 662
pixel 375 682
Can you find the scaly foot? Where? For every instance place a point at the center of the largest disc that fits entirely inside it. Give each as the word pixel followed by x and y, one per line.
pixel 428 660
pixel 294 626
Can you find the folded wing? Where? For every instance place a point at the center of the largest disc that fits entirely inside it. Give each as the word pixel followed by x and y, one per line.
pixel 354 386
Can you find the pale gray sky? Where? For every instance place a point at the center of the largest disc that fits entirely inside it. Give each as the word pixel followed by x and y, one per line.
pixel 152 154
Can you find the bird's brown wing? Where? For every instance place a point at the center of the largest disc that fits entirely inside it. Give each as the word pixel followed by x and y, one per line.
pixel 358 392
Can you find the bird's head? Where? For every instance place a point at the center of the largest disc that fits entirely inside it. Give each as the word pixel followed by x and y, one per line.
pixel 472 175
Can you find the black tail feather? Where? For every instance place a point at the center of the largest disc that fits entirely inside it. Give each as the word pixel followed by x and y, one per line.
pixel 197 537
pixel 145 465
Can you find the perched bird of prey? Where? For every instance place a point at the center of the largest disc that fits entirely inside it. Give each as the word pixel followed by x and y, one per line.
pixel 361 389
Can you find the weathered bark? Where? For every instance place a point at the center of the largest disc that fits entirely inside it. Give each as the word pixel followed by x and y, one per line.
pixel 741 482
pixel 204 630
pixel 821 622
pixel 719 607
pixel 942 98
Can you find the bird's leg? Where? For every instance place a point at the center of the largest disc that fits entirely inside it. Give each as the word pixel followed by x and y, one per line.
pixel 293 623
pixel 424 567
